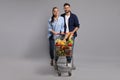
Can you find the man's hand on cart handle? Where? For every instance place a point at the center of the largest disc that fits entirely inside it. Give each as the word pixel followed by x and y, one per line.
pixel 68 35
pixel 72 33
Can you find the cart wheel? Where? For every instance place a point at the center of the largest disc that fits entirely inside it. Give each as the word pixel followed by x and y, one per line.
pixel 59 74
pixel 73 68
pixel 69 74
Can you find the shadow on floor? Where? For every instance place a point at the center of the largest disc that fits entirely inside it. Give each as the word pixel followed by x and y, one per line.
pixel 46 71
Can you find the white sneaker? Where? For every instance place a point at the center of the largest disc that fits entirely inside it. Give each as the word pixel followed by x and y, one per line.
pixel 69 65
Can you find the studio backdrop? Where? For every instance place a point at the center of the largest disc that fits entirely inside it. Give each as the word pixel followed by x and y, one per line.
pixel 23 27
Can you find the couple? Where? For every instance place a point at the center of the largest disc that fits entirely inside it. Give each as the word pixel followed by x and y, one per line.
pixel 67 22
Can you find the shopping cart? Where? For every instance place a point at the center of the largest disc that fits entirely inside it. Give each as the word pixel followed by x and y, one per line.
pixel 61 52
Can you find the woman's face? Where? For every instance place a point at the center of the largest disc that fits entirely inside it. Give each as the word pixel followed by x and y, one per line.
pixel 56 12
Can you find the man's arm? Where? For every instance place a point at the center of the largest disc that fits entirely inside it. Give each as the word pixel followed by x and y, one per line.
pixel 75 30
pixel 77 25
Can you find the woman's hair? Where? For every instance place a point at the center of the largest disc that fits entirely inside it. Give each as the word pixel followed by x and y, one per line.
pixel 52 18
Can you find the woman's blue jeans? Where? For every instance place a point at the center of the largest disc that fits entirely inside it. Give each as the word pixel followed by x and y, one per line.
pixel 51 47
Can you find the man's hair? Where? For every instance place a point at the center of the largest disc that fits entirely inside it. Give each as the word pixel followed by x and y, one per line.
pixel 66 4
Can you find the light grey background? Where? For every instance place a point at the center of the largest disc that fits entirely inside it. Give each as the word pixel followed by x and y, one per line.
pixel 24 45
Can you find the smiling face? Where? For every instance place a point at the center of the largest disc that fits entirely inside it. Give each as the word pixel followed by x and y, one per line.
pixel 67 8
pixel 55 12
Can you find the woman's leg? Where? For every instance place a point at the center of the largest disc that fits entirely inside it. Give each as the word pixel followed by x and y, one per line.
pixel 51 50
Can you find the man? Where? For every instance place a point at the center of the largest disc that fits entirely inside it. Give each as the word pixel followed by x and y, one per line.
pixel 71 25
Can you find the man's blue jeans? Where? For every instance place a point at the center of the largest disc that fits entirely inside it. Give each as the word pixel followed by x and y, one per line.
pixel 69 58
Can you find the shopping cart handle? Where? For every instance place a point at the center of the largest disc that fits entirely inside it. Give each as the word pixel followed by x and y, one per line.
pixel 60 34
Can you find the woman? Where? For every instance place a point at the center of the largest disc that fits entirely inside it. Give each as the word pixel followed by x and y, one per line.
pixel 55 27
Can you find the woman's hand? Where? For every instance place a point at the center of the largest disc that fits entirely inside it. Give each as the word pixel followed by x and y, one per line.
pixel 56 33
pixel 62 33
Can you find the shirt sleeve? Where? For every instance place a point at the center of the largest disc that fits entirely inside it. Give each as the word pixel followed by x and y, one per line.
pixel 62 25
pixel 49 26
pixel 77 24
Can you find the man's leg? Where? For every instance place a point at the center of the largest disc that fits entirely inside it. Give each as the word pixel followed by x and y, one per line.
pixel 69 58
pixel 73 66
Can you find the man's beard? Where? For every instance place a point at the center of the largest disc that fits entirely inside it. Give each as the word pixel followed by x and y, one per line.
pixel 67 11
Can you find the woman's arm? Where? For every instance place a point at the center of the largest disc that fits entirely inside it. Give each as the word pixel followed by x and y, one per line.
pixel 50 28
pixel 55 33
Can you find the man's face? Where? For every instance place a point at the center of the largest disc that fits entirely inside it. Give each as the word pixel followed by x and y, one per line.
pixel 67 9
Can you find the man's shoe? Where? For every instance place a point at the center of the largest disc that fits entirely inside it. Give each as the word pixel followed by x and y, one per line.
pixel 69 65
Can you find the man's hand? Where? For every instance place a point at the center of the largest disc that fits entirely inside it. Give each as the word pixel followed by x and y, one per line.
pixel 72 32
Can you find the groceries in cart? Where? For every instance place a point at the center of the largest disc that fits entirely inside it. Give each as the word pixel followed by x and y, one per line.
pixel 63 46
